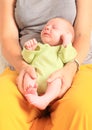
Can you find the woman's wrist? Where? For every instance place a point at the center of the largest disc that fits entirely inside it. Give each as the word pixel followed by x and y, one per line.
pixel 77 64
pixel 20 65
pixel 73 65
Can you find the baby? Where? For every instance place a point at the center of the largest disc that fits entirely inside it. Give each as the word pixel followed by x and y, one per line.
pixel 47 57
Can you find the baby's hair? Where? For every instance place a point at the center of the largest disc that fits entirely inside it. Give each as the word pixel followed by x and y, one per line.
pixel 69 26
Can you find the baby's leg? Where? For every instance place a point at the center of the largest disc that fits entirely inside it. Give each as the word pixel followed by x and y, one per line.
pixel 52 93
pixel 31 44
pixel 29 85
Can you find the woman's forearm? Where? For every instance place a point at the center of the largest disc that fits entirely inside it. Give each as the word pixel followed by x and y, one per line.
pixel 9 35
pixel 12 52
pixel 82 45
pixel 82 28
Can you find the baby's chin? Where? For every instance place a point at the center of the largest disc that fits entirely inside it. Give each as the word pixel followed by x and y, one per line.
pixel 52 44
pixel 47 41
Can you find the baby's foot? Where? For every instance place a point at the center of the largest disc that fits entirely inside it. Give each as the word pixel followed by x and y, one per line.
pixel 31 44
pixel 30 86
pixel 41 102
pixel 31 90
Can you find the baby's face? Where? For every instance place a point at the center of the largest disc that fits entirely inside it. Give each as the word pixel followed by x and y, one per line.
pixel 52 32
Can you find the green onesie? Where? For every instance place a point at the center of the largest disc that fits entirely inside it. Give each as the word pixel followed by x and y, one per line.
pixel 47 59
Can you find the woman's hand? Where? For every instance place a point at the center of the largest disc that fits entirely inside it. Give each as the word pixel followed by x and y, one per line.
pixel 20 79
pixel 66 74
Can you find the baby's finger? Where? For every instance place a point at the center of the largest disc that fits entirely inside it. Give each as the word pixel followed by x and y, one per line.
pixel 35 41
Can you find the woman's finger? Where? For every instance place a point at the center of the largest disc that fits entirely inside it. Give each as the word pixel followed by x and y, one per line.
pixel 19 80
pixel 31 71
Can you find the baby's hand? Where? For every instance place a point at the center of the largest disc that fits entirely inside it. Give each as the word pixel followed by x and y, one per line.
pixel 31 44
pixel 66 39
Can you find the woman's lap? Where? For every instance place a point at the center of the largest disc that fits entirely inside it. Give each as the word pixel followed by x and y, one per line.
pixel 13 106
pixel 73 111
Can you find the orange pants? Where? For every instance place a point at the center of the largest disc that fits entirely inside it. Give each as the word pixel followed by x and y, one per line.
pixel 72 112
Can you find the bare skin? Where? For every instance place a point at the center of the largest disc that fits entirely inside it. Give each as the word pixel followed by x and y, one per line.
pixel 11 50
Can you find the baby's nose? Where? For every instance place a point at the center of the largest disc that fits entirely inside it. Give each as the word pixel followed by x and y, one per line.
pixel 47 27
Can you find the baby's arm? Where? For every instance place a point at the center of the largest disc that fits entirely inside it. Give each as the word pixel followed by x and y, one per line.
pixel 28 52
pixel 67 53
